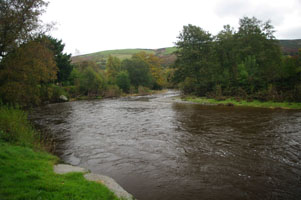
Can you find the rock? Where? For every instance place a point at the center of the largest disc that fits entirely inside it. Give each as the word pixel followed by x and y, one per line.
pixel 63 169
pixel 111 184
pixel 63 98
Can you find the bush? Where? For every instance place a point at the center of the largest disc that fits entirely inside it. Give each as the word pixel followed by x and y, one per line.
pixel 188 86
pixel 112 91
pixel 143 90
pixel 15 127
pixel 123 81
pixel 52 93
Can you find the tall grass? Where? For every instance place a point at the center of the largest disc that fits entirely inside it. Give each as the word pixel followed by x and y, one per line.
pixel 15 127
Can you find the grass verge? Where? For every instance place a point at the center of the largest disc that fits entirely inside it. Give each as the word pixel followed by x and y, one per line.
pixel 26 170
pixel 255 103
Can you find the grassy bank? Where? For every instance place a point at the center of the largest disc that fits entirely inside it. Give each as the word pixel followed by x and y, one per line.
pixel 26 170
pixel 233 102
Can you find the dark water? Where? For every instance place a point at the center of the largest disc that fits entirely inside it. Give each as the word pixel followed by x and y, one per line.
pixel 157 148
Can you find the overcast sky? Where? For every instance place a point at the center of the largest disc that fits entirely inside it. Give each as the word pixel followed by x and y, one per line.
pixel 94 25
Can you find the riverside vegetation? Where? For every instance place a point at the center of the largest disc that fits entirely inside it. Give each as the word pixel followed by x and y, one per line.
pixel 247 64
pixel 34 70
pixel 27 169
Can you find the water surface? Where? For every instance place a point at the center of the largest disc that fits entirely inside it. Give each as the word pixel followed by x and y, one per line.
pixel 158 148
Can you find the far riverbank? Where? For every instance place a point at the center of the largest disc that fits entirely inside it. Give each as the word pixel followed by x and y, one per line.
pixel 233 102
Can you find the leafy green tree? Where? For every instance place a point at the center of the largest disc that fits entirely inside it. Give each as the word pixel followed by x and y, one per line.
pixel 123 81
pixel 63 60
pixel 91 83
pixel 256 39
pixel 196 58
pixel 19 22
pixel 138 70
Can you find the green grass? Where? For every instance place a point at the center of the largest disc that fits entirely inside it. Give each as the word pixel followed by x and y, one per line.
pixel 123 54
pixel 169 50
pixel 28 174
pixel 255 103
pixel 26 170
pixel 15 128
pixel 119 53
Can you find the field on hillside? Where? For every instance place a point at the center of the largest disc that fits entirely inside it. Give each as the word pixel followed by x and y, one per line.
pixel 100 57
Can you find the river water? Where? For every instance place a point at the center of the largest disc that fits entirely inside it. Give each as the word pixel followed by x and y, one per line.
pixel 159 148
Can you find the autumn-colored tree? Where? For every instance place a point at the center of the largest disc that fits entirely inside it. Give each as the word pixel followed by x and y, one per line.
pixel 157 72
pixel 113 67
pixel 24 71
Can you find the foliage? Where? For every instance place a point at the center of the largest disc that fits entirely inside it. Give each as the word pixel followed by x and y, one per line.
pixel 24 71
pixel 246 62
pixel 19 21
pixel 112 91
pixel 15 128
pixel 113 67
pixel 143 90
pixel 123 81
pixel 156 69
pixel 244 103
pixel 52 93
pixel 91 83
pixel 138 70
pixel 63 60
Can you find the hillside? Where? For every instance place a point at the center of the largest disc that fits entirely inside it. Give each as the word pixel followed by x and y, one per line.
pixel 101 57
pixel 289 47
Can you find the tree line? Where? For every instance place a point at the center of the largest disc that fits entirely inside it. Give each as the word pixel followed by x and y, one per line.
pixel 34 68
pixel 137 74
pixel 246 63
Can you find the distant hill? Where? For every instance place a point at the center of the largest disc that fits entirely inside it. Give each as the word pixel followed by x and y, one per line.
pixel 100 57
pixel 289 47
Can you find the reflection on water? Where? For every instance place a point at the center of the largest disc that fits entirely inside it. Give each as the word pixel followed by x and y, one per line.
pixel 157 148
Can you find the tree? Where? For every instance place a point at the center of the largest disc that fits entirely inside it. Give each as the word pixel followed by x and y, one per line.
pixel 63 60
pixel 23 72
pixel 91 83
pixel 157 72
pixel 19 21
pixel 123 81
pixel 139 72
pixel 195 58
pixel 113 67
pixel 256 39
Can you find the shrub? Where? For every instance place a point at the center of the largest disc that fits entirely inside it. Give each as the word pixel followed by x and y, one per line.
pixel 15 127
pixel 123 81
pixel 112 91
pixel 143 90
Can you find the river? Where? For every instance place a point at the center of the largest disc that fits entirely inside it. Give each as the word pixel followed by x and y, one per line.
pixel 159 148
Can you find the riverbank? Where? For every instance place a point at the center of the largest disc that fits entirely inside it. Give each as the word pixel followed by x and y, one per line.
pixel 26 169
pixel 233 102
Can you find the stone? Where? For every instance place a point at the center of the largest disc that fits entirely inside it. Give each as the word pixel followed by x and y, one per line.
pixel 111 184
pixel 63 98
pixel 63 169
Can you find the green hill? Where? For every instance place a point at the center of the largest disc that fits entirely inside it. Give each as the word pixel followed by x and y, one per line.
pixel 100 57
pixel 289 47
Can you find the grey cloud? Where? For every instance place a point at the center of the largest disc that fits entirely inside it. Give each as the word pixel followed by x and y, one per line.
pixel 262 11
pixel 292 33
